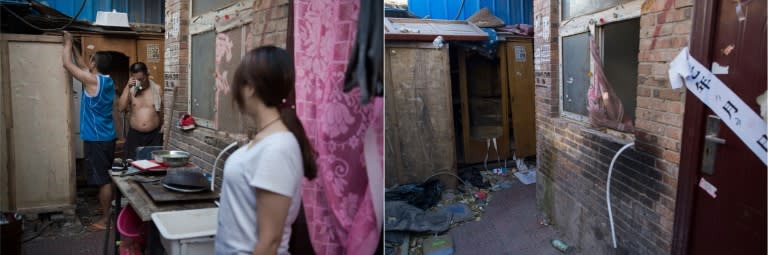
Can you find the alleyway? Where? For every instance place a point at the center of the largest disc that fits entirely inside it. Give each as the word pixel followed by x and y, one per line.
pixel 509 226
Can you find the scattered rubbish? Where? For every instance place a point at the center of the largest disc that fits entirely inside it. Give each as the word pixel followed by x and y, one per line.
pixel 727 50
pixel 500 170
pixel 438 42
pixel 560 245
pixel 527 177
pixel 448 195
pixel 544 221
pixel 505 185
pixel 481 195
pixel 718 69
pixel 473 176
pixel 438 245
pixel 461 212
pixel 423 195
pixel 483 18
pixel 401 216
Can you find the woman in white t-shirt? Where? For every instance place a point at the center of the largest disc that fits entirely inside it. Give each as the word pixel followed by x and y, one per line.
pixel 261 190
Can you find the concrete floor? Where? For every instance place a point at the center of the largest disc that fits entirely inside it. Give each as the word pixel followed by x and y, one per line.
pixel 66 234
pixel 509 226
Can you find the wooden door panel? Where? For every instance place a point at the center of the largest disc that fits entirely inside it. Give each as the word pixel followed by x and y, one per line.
pixel 521 96
pixel 419 127
pixel 733 222
pixel 43 163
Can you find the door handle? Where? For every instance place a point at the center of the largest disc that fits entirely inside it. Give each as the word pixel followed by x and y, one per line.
pixel 711 142
pixel 714 139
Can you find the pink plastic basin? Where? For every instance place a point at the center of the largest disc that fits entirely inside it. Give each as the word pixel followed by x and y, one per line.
pixel 129 224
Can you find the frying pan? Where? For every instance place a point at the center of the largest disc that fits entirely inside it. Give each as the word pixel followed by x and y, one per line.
pixel 185 181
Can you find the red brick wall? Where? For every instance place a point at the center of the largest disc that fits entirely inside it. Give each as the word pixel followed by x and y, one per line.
pixel 573 158
pixel 204 143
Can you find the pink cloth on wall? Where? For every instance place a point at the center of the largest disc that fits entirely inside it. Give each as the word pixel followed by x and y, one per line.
pixel 338 203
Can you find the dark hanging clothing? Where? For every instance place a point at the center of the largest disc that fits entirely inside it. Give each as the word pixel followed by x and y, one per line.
pixel 365 68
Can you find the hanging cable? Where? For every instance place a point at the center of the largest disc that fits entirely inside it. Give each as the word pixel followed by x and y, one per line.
pixel 460 9
pixel 82 6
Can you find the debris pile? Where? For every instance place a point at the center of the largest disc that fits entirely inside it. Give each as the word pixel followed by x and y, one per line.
pixel 418 216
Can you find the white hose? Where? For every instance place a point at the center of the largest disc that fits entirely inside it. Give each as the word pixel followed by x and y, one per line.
pixel 213 175
pixel 608 190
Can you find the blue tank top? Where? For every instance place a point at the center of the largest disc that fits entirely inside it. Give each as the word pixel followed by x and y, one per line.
pixel 96 112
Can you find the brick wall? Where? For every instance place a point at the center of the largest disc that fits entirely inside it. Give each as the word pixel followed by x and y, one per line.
pixel 573 158
pixel 269 26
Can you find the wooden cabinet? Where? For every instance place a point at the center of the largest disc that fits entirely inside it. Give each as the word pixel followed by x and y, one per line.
pixel 497 101
pixel 419 116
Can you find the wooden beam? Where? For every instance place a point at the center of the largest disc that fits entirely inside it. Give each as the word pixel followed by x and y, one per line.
pixel 464 91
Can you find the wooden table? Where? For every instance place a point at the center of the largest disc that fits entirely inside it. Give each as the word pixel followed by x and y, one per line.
pixel 144 206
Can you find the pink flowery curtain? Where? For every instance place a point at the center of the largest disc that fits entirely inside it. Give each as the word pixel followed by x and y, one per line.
pixel 604 106
pixel 338 204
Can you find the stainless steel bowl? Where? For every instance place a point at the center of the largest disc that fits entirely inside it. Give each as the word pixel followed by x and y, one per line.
pixel 176 158
pixel 159 154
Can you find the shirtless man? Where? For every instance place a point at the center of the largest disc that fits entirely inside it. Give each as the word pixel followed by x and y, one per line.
pixel 143 98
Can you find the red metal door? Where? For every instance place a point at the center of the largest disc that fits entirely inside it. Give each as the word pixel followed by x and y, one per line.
pixel 734 220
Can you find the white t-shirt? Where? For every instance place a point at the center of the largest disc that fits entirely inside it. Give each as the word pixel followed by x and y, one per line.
pixel 273 164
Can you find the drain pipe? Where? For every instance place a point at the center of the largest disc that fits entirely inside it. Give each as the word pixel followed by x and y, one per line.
pixel 608 190
pixel 213 174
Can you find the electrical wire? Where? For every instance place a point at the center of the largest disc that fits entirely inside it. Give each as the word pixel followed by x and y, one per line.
pixel 460 9
pixel 82 6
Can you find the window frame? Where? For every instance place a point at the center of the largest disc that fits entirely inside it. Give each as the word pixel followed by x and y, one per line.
pixel 581 24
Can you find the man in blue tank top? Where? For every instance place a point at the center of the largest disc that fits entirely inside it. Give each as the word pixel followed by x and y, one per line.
pixel 96 126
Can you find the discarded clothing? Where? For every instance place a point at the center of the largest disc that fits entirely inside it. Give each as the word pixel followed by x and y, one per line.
pixel 423 195
pixel 460 212
pixel 365 67
pixel 472 175
pixel 517 29
pixel 400 216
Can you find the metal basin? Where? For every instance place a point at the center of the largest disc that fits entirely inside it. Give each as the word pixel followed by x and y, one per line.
pixel 159 154
pixel 176 158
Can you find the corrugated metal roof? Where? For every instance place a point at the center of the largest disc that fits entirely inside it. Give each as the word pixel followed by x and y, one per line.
pixel 511 11
pixel 139 11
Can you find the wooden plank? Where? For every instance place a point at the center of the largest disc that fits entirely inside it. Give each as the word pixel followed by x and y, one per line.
pixel 463 90
pixel 521 87
pixel 5 118
pixel 428 30
pixel 31 38
pixel 41 105
pixel 505 106
pixel 419 111
pixel 143 204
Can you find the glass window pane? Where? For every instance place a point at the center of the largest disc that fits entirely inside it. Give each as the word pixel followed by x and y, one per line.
pixel 620 48
pixel 202 82
pixel 575 69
